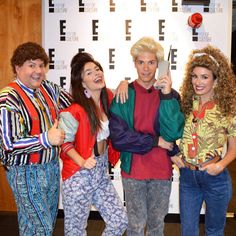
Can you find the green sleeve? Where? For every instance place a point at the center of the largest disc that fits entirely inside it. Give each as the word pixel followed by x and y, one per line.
pixel 171 120
pixel 125 112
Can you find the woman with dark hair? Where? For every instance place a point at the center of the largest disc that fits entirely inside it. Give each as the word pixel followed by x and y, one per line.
pixel 85 150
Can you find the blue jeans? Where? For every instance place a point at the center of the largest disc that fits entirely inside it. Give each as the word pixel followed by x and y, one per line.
pixel 199 186
pixel 147 203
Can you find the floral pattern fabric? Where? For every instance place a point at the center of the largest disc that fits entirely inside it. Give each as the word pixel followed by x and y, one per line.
pixel 206 133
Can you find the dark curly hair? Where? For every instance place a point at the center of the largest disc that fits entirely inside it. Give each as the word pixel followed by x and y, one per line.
pixel 28 51
pixel 225 90
pixel 77 90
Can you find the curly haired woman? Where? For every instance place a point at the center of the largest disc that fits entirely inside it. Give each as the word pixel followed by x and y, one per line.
pixel 208 143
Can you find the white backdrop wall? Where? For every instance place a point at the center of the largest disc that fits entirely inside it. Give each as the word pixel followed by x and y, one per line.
pixel 108 28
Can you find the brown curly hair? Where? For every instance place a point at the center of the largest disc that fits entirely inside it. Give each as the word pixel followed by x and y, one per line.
pixel 225 90
pixel 28 51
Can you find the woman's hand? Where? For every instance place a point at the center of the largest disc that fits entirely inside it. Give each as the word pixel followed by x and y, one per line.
pixel 89 163
pixel 121 91
pixel 213 169
pixel 177 160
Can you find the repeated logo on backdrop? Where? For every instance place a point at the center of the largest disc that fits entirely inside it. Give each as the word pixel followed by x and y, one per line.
pixel 107 30
pixel 54 62
pixel 66 35
pixel 87 6
pixel 56 7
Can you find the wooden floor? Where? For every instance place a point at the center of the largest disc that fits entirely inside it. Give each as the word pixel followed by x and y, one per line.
pixel 9 226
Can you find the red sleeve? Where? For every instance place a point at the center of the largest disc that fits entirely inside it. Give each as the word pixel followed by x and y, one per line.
pixel 113 155
pixel 110 96
pixel 66 147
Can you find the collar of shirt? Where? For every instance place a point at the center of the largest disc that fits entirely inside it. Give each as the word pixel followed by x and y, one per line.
pixel 25 88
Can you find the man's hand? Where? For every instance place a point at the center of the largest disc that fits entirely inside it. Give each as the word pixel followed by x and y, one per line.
pixel 164 144
pixel 56 136
pixel 165 83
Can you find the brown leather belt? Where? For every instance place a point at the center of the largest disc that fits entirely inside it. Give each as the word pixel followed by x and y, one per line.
pixel 215 159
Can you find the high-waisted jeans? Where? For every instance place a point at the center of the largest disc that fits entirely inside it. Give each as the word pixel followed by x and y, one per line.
pixel 196 187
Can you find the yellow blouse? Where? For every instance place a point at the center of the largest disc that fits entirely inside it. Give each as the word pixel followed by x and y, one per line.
pixel 206 133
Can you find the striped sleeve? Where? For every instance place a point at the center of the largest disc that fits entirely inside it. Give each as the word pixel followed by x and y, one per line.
pixel 13 125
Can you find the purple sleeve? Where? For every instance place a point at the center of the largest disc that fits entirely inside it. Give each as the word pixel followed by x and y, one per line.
pixel 125 139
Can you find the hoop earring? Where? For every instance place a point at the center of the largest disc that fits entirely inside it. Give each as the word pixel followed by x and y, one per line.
pixel 87 93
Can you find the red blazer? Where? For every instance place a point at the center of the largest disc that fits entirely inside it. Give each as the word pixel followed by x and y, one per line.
pixel 84 141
